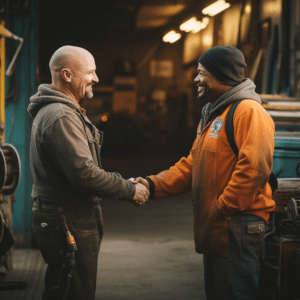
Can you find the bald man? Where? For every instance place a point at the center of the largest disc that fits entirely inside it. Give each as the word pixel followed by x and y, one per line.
pixel 68 180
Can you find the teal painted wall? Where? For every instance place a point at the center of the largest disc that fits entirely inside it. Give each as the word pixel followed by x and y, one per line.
pixel 17 120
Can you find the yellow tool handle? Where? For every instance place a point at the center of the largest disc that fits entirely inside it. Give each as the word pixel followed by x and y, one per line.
pixel 5 32
pixel 71 240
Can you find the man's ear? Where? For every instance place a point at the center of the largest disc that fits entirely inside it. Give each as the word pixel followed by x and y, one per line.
pixel 66 75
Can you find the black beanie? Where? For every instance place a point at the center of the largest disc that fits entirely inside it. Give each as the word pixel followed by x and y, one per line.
pixel 226 63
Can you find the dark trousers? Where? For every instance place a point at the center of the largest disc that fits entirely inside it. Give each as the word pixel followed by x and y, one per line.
pixel 85 223
pixel 236 277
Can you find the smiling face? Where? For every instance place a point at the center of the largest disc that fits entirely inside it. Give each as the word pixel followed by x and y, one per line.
pixel 209 87
pixel 73 72
pixel 84 77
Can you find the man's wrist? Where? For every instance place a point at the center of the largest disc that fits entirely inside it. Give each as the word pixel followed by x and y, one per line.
pixel 151 187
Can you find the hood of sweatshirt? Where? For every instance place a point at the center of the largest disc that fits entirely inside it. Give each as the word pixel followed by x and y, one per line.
pixel 46 95
pixel 244 90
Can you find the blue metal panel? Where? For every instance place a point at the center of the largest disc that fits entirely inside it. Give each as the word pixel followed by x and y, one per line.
pixel 17 120
pixel 287 143
pixel 286 156
pixel 284 163
pixel 290 128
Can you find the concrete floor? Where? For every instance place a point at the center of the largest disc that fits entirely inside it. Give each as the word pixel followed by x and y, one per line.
pixel 147 252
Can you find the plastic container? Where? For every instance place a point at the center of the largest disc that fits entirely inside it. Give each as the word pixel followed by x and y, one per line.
pixel 286 155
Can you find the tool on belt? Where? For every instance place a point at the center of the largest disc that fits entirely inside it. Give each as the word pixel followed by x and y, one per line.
pixel 69 237
pixel 71 255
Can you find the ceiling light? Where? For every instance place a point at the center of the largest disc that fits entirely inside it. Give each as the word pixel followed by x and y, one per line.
pixel 171 37
pixel 188 25
pixel 194 25
pixel 200 25
pixel 215 8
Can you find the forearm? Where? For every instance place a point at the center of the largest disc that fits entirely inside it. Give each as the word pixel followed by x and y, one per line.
pixel 254 136
pixel 175 181
pixel 98 182
pixel 252 170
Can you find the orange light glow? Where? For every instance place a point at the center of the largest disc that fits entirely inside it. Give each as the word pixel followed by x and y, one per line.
pixel 104 118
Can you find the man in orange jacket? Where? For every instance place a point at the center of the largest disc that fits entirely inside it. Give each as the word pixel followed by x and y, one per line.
pixel 232 198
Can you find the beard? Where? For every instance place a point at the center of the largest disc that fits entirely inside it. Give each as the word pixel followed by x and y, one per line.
pixel 89 94
pixel 89 91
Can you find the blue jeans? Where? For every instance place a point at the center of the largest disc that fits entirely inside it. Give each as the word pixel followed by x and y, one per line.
pixel 236 277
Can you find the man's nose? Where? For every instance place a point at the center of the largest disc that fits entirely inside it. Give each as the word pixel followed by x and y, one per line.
pixel 196 78
pixel 95 78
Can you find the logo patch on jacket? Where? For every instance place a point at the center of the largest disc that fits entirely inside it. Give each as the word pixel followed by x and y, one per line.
pixel 216 126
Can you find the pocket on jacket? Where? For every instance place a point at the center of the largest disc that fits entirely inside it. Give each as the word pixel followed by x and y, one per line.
pixel 50 238
pixel 255 237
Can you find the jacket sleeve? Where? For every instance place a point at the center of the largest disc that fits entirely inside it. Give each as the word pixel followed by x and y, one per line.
pixel 66 143
pixel 254 136
pixel 175 181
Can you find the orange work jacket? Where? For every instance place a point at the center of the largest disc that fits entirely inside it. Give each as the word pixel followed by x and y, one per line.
pixel 221 183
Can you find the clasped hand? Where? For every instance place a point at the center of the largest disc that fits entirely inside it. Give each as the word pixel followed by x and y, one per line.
pixel 141 190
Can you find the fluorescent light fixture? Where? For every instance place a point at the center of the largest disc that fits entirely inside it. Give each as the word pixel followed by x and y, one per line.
pixel 188 25
pixel 194 25
pixel 200 25
pixel 215 8
pixel 171 37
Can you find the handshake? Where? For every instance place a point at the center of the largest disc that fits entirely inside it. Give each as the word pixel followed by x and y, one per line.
pixel 141 190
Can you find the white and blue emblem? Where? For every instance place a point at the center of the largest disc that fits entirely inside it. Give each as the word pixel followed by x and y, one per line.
pixel 217 125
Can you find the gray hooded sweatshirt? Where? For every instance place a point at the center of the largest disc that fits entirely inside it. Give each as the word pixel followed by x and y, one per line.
pixel 244 90
pixel 65 153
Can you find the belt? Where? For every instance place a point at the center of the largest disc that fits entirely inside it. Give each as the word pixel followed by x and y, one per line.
pixel 42 203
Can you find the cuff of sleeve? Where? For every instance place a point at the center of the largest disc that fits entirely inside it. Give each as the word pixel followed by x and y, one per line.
pixel 152 188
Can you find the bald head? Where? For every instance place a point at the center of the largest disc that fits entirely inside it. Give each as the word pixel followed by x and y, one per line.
pixel 73 71
pixel 68 57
